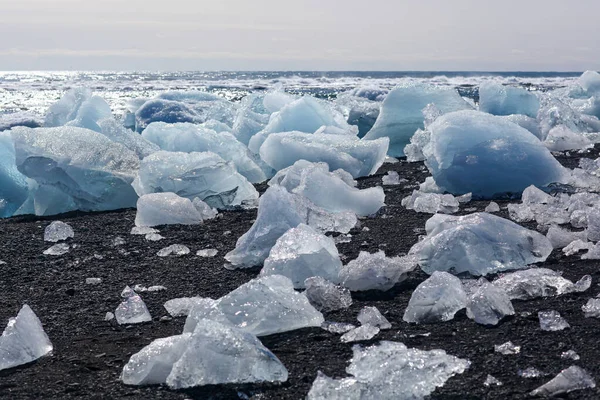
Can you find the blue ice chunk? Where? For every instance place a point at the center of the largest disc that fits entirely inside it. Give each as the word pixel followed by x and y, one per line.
pixel 159 110
pixel 13 184
pixel 110 128
pixel 78 107
pixel 498 99
pixel 28 119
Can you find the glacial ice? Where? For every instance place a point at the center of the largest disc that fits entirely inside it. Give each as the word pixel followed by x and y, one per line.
pixel 375 271
pixel 561 138
pixel 361 109
pixel 203 175
pixel 174 250
pixel 160 110
pixel 325 295
pixel 372 316
pixel 206 211
pixel 301 253
pixel 182 306
pixel 392 178
pixel 113 130
pixel 570 355
pixel 560 238
pixel 337 327
pixel 93 281
pixel 156 209
pixel 498 99
pixel 591 309
pixel 531 124
pixel 466 149
pixel 492 207
pixel 142 230
pixel 132 310
pixel 507 348
pixel 552 321
pixel 437 299
pixel 78 107
pixel 568 380
pixel 58 231
pixel 530 373
pixel 207 253
pixel 364 332
pixel 431 203
pixel 401 112
pixel 23 340
pixel 478 244
pixel 409 374
pixel 486 303
pixel 490 380
pixel 13 184
pixel 57 250
pixel 539 282
pixel 19 118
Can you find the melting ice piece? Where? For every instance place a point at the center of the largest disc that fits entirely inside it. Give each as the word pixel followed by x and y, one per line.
pixel 109 316
pixel 93 281
pixel 539 282
pixel 561 138
pixel 23 340
pixel 372 316
pixel 115 131
pixel 206 211
pixel 57 231
pixel 301 253
pixel 375 271
pixel 207 253
pixel 490 380
pixel 431 203
pixel 78 107
pixel 552 321
pixel 392 178
pixel 497 99
pixel 401 112
pixel 492 207
pixel 19 118
pixel 478 244
pixel 507 348
pixel 570 355
pixel 592 308
pixel 57 250
pixel 487 304
pixel 337 327
pixel 364 332
pixel 174 250
pixel 181 307
pixel 263 306
pixel 166 209
pixel 325 295
pixel 143 230
pixel 568 380
pixel 132 310
pixel 13 184
pixel 561 237
pixel 203 175
pixel 154 237
pixel 409 374
pixel 436 299
pixel 163 110
pixel 530 372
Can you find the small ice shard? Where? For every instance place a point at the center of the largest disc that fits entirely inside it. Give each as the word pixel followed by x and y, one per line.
pixel 520 212
pixel 437 299
pixel 490 380
pixel 58 231
pixel 181 307
pixel 570 355
pixel 487 304
pixel 478 244
pixel 337 327
pixel 568 380
pixel 325 295
pixel 23 340
pixel 207 252
pixel 592 308
pixel 143 230
pixel 127 292
pixel 375 271
pixel 174 250
pixel 491 208
pixel 57 250
pixel 364 332
pixel 560 238
pixel 392 178
pixel 155 288
pixel 154 237
pixel 118 241
pixel 408 374
pixel 507 348
pixel 265 305
pixel 109 316
pixel 2 262
pixel 372 316
pixel 576 246
pixel 93 281
pixel 301 253
pixel 552 321
pixel 132 310
pixel 530 372
pixel 539 282
pixel 166 209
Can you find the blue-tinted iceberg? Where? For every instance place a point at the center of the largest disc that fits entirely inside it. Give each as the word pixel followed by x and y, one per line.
pixel 401 113
pixel 80 108
pixel 13 184
pixel 159 110
pixel 113 130
pixel 166 209
pixel 498 99
pixel 22 118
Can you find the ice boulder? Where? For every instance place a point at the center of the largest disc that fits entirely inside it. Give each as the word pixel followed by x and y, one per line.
pixel 166 209
pixel 303 252
pixel 132 310
pixel 324 295
pixel 113 130
pixel 498 99
pixel 401 112
pixel 58 231
pixel 187 137
pixel 190 175
pixel 19 118
pixel 487 304
pixel 375 271
pixel 590 82
pixel 561 138
pixel 478 244
pixel 539 282
pixel 160 110
pixel 250 119
pixel 531 124
pixel 78 107
pixel 84 166
pixel 568 380
pixel 357 156
pixel 23 340
pixel 470 151
pixel 13 184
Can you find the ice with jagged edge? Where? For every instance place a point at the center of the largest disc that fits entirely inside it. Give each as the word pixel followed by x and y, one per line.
pixel 530 372
pixel 58 231
pixel 78 107
pixel 132 310
pixel 334 191
pixel 561 238
pixel 409 374
pixel 375 271
pixel 508 348
pixel 325 295
pixel 23 340
pixel 498 99
pixel 19 118
pixel 337 327
pixel 552 321
pixel 431 203
pixel 358 157
pixel 303 252
pixel 228 354
pixel 190 175
pixel 561 138
pixel 57 250
pixel 364 332
pixel 82 169
pixel 539 282
pixel 263 306
pixel 490 380
pixel 401 113
pixel 492 207
pixel 115 131
pixel 478 244
pixel 487 304
pixel 188 138
pixel 173 250
pixel 372 316
pixel 392 178
pixel 568 380
pixel 13 184
pixel 436 299
pixel 471 151
pixel 362 106
pixel 156 209
pixel 591 309
pixel 278 211
pixel 181 307
pixel 207 253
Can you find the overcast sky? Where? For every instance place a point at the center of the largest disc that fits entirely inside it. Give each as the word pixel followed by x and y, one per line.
pixel 557 35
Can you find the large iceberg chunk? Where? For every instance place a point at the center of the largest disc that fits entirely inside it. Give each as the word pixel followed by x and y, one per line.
pixel 375 271
pixel 470 151
pixel 437 299
pixel 498 99
pixel 478 244
pixel 78 107
pixel 401 113
pixel 13 184
pixel 160 110
pixel 113 130
pixel 166 209
pixel 23 340
pixel 487 304
pixel 203 175
pixel 325 295
pixel 539 282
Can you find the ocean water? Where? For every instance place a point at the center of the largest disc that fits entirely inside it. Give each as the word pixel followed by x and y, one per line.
pixel 35 90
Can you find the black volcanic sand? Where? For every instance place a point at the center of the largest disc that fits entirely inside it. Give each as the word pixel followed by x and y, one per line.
pixel 90 353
